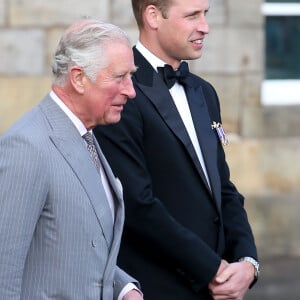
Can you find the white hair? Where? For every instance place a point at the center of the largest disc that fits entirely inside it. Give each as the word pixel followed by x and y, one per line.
pixel 83 45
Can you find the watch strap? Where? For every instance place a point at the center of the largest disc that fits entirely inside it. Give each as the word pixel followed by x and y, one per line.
pixel 255 264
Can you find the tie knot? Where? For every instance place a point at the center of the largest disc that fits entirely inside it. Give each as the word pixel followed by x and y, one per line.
pixel 92 149
pixel 170 75
pixel 88 138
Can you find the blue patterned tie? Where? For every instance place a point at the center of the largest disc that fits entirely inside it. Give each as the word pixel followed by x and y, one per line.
pixel 92 150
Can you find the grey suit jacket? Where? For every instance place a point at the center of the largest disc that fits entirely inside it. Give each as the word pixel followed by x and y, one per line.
pixel 57 236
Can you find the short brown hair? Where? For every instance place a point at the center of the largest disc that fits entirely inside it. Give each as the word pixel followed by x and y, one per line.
pixel 139 7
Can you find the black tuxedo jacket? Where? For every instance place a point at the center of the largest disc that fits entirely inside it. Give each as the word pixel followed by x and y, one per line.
pixel 177 229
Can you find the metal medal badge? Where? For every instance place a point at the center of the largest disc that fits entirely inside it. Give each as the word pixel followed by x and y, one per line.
pixel 221 133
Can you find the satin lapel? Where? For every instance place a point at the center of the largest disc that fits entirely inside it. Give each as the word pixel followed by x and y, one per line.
pixel 159 95
pixel 206 137
pixel 71 146
pixel 153 87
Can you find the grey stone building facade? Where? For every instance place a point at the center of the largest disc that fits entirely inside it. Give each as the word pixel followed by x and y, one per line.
pixel 264 140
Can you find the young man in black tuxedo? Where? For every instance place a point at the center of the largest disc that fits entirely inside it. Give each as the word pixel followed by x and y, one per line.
pixel 186 234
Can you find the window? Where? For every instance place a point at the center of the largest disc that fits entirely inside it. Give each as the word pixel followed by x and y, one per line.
pixel 282 52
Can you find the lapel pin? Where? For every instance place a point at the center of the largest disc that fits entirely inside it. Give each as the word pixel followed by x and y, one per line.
pixel 222 136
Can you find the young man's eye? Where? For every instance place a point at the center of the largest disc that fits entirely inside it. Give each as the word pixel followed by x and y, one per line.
pixel 194 15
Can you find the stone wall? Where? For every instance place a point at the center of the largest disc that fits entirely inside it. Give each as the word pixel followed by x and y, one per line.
pixel 264 140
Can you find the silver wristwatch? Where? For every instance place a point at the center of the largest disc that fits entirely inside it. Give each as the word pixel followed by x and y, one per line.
pixel 255 265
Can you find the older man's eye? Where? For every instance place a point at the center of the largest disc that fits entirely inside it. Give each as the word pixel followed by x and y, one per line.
pixel 122 75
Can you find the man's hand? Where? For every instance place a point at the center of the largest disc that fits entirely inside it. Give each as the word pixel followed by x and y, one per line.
pixel 232 282
pixel 133 295
pixel 224 264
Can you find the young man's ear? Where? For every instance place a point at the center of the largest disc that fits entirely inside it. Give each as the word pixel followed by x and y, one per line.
pixel 151 16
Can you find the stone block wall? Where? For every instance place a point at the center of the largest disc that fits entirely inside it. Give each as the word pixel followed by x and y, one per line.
pixel 264 140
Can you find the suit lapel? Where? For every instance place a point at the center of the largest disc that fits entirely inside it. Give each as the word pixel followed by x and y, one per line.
pixel 117 194
pixel 115 185
pixel 70 144
pixel 151 84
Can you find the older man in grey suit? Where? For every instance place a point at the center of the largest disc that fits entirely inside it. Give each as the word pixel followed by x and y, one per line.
pixel 61 216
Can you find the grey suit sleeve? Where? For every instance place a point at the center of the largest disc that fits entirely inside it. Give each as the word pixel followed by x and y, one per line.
pixel 22 196
pixel 121 279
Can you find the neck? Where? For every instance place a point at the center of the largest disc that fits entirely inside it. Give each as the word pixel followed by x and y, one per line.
pixel 156 50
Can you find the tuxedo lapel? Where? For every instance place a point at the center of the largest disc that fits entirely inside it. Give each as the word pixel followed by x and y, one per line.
pixel 70 144
pixel 154 88
pixel 205 135
pixel 168 111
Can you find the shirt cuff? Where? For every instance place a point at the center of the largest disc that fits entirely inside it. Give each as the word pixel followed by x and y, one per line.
pixel 128 287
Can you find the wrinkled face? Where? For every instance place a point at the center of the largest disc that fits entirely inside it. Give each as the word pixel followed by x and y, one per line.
pixel 181 35
pixel 104 99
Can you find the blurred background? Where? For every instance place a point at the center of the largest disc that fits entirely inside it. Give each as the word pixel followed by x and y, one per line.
pixel 251 56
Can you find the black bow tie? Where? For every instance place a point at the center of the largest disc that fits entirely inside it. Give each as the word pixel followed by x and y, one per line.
pixel 170 76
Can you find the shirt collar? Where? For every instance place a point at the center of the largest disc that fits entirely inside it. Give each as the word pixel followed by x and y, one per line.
pixel 154 61
pixel 75 120
pixel 150 57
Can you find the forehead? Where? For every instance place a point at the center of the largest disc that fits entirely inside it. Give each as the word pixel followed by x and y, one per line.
pixel 118 49
pixel 120 56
